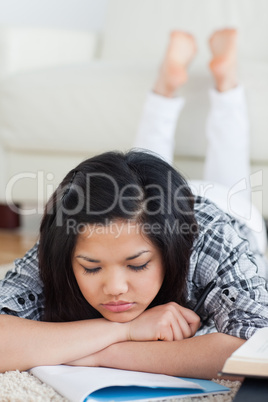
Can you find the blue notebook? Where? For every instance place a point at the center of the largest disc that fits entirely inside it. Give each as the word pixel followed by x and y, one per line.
pixel 88 384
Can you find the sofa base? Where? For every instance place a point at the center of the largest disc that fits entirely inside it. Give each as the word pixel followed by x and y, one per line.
pixel 8 218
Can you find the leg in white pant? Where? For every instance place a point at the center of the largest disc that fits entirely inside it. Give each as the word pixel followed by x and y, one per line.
pixel 227 170
pixel 162 109
pixel 156 133
pixel 158 123
pixel 227 160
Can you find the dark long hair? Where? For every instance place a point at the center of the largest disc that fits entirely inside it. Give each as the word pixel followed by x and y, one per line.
pixel 136 186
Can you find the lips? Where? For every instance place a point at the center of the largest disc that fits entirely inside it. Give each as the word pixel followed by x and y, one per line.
pixel 118 307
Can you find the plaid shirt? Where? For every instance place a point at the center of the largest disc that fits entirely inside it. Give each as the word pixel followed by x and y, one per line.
pixel 224 251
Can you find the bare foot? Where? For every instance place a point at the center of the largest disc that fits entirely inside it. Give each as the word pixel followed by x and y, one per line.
pixel 173 72
pixel 223 65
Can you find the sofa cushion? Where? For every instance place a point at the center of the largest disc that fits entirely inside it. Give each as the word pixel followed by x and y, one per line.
pixel 97 107
pixel 26 48
pixel 92 107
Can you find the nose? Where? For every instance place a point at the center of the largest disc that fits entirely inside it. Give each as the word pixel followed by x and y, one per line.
pixel 115 283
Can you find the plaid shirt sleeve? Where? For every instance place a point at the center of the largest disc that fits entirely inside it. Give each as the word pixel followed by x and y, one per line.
pixel 225 251
pixel 21 291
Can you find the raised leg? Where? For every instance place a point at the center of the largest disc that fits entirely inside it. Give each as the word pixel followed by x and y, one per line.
pixel 223 45
pixel 162 109
pixel 227 159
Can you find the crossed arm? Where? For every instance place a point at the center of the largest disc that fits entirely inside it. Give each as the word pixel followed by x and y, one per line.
pixel 199 357
pixel 133 345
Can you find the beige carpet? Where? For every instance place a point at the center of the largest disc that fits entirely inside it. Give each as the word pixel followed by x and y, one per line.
pixel 18 386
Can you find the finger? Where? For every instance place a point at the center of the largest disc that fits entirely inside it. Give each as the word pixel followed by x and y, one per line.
pixel 166 334
pixel 177 332
pixel 183 326
pixel 195 326
pixel 192 318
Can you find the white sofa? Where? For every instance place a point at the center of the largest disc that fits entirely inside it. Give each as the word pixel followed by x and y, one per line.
pixel 60 104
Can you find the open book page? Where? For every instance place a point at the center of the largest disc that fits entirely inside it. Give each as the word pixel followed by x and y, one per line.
pixel 251 358
pixel 76 383
pixel 256 348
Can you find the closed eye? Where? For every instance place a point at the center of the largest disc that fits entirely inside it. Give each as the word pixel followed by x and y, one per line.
pixel 132 267
pixel 138 267
pixel 91 270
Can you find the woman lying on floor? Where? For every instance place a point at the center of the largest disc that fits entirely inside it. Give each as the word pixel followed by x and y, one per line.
pixel 126 250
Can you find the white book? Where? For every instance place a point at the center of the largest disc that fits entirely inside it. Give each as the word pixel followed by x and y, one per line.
pixel 251 359
pixel 80 384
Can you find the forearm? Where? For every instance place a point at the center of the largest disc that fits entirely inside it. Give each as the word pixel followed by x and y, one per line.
pixel 201 356
pixel 26 343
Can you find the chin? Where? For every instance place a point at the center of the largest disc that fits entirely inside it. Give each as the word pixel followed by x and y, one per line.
pixel 120 317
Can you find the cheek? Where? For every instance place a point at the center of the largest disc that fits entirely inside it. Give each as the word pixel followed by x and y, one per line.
pixel 87 286
pixel 151 283
pixel 159 274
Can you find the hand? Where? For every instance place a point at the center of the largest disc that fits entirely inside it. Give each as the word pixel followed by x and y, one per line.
pixel 167 322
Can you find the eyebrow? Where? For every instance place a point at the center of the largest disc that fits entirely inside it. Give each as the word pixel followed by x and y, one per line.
pixel 137 255
pixel 127 259
pixel 87 258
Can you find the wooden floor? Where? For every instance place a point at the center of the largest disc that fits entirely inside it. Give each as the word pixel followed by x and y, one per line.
pixel 14 244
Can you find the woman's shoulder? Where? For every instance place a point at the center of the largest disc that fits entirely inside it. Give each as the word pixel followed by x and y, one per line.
pixel 25 272
pixel 28 264
pixel 211 218
pixel 21 291
pixel 221 237
pixel 208 213
pixel 219 233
